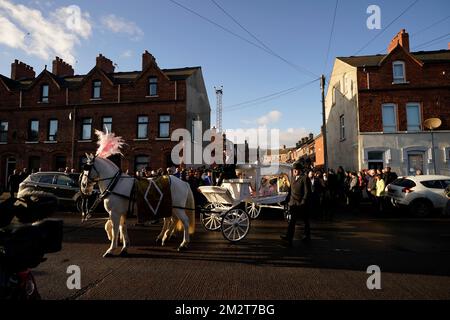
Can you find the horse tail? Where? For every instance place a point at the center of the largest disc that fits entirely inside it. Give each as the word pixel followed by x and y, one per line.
pixel 190 210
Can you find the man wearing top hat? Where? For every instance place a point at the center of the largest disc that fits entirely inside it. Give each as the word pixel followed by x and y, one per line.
pixel 300 194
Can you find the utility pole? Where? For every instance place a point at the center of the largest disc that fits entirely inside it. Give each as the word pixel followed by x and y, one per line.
pixel 219 94
pixel 324 123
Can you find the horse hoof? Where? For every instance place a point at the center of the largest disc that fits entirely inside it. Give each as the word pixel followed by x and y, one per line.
pixel 124 253
pixel 184 248
pixel 158 241
pixel 108 255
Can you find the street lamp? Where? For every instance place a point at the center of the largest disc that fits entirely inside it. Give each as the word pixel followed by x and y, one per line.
pixel 431 124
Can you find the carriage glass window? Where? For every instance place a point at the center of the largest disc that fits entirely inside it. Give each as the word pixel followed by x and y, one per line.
pixel 152 86
pixel 52 129
pixel 33 131
pixel 107 124
pixel 164 126
pixel 44 93
pixel 96 89
pixel 86 129
pixel 4 131
pixel 142 127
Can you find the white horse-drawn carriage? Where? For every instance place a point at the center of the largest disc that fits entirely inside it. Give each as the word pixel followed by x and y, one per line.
pixel 232 205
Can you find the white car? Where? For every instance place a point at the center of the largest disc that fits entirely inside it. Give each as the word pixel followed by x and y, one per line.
pixel 421 194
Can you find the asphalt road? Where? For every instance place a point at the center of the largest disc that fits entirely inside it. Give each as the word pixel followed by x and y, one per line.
pixel 413 255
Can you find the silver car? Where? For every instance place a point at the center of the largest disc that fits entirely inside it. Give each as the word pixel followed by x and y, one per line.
pixel 421 194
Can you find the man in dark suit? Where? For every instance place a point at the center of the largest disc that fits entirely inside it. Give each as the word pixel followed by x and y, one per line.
pixel 300 194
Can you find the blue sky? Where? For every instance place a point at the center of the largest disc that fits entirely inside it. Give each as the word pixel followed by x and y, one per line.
pixel 298 31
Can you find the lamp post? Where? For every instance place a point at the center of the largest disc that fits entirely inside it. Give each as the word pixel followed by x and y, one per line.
pixel 431 124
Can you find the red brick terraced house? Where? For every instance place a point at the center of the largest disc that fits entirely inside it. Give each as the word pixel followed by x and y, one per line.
pixel 376 107
pixel 48 121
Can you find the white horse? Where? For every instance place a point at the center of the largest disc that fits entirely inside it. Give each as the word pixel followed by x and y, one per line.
pixel 117 196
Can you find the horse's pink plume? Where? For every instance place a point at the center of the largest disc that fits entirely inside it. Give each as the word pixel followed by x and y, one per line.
pixel 108 144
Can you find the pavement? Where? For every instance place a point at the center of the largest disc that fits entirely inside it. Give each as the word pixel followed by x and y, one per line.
pixel 413 255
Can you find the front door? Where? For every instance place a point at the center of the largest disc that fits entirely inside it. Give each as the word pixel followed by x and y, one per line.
pixel 10 166
pixel 415 162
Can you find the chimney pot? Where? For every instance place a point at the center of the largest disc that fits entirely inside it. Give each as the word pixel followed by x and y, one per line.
pixel 402 39
pixel 105 64
pixel 147 59
pixel 20 70
pixel 61 68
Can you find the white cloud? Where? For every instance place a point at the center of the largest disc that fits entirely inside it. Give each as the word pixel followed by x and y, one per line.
pixel 10 35
pixel 56 35
pixel 120 25
pixel 271 117
pixel 291 136
pixel 127 54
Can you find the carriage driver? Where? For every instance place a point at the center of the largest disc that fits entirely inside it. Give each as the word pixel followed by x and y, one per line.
pixel 300 193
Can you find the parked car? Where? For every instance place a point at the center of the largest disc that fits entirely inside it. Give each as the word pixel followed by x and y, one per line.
pixel 421 194
pixel 63 185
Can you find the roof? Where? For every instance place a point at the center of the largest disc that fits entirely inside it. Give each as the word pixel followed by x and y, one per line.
pixel 116 77
pixel 374 60
pixel 9 82
pixel 426 177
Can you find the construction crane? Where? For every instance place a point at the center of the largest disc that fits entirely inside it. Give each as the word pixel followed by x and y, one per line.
pixel 219 93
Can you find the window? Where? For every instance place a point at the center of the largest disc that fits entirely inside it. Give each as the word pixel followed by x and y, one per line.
pixel 389 118
pixel 46 179
pixel 96 89
pixel 142 127
pixel 398 69
pixel 405 183
pixel 164 126
pixel 433 184
pixel 342 127
pixel 60 162
pixel 33 131
pixel 333 95
pixel 107 124
pixel 140 162
pixel 413 117
pixel 52 129
pixel 86 129
pixel 152 86
pixel 3 131
pixel 34 163
pixel 64 181
pixel 375 159
pixel 44 93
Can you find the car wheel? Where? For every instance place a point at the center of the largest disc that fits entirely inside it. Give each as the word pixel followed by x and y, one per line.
pixel 420 208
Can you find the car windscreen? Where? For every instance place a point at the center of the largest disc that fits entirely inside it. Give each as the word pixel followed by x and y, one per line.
pixel 34 177
pixel 46 178
pixel 403 182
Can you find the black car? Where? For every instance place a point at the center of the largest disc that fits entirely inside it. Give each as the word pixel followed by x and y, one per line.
pixel 63 185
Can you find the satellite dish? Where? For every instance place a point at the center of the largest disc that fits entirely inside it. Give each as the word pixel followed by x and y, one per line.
pixel 432 123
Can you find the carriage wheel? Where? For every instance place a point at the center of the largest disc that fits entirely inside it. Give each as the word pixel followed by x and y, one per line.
pixel 211 221
pixel 252 209
pixel 235 225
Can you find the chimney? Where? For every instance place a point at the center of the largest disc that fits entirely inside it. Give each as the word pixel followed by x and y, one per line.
pixel 20 70
pixel 147 59
pixel 449 46
pixel 61 68
pixel 104 64
pixel 401 38
pixel 311 136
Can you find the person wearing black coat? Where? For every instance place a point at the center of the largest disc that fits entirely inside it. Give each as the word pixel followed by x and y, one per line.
pixel 300 194
pixel 13 183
